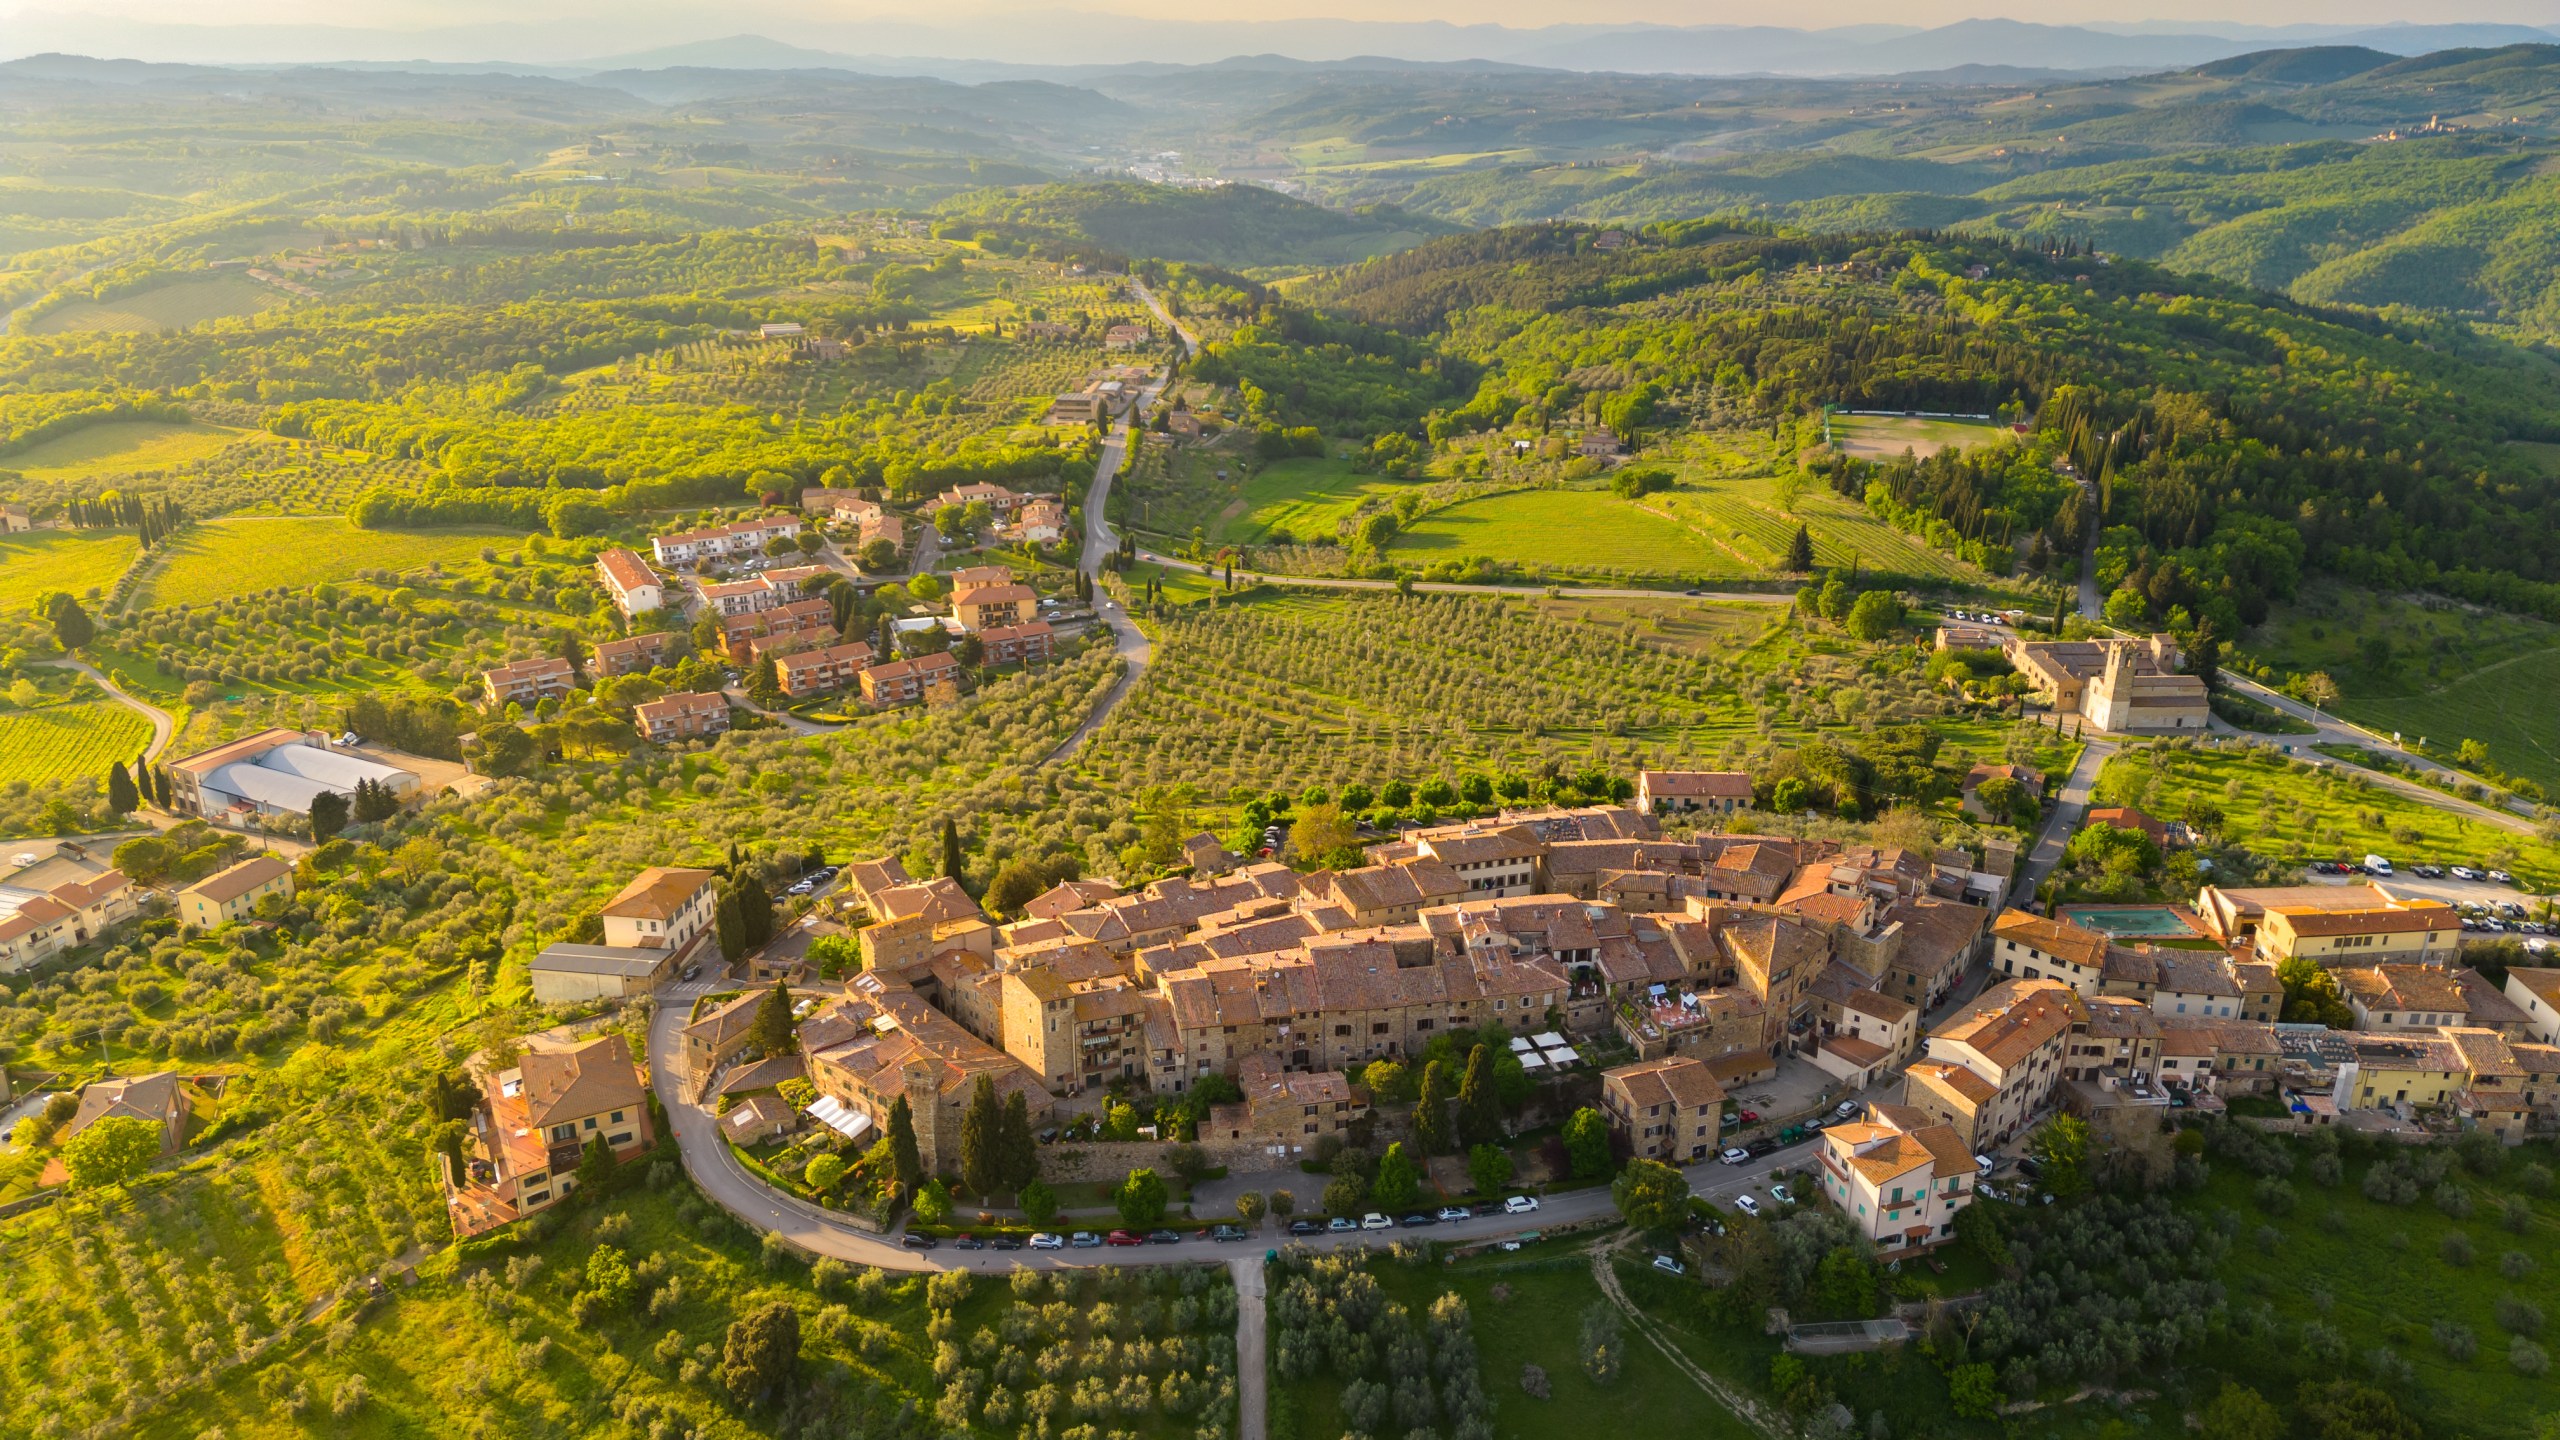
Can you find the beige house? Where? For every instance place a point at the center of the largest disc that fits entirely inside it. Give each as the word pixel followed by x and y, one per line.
pixel 160 1099
pixel 1898 1175
pixel 2537 994
pixel 663 908
pixel 1667 792
pixel 233 894
pixel 535 1121
pixel 993 607
pixel 635 587
pixel 1670 1109
pixel 2403 997
pixel 2333 924
pixel 2123 686
pixel 1993 1065
pixel 1286 1108
pixel 2031 947
pixel 36 924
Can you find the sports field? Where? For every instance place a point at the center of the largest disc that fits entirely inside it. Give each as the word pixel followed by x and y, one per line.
pixel 70 740
pixel 164 307
pixel 73 560
pixel 1882 437
pixel 221 558
pixel 120 446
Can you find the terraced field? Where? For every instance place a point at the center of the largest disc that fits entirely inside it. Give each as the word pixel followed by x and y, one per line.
pixel 73 560
pixel 69 741
pixel 227 557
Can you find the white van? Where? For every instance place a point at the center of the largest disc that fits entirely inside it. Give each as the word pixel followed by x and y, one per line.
pixel 2376 865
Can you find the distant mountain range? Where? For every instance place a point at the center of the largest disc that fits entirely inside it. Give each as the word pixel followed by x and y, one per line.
pixel 1058 44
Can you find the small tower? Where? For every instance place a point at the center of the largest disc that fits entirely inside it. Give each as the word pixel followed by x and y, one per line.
pixel 924 1110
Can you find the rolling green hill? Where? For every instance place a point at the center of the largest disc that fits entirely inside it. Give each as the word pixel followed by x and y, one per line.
pixel 1236 226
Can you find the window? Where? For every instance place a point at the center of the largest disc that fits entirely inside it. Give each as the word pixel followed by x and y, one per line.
pixel 1341 1029
pixel 617 1117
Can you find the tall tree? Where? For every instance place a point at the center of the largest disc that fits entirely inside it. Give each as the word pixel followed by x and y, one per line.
pixel 1019 1151
pixel 575 652
pixel 1800 551
pixel 954 864
pixel 160 785
pixel 1479 1103
pixel 982 1141
pixel 120 793
pixel 1431 1110
pixel 904 1157
pixel 72 627
pixel 771 1031
pixel 760 1352
pixel 731 929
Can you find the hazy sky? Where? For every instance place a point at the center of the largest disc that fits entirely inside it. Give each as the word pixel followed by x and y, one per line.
pixel 731 16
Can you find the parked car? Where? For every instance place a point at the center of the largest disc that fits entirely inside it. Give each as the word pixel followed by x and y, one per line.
pixel 1375 1221
pixel 919 1242
pixel 1164 1237
pixel 1746 1205
pixel 2464 872
pixel 1455 1212
pixel 1005 1242
pixel 1520 1205
pixel 1046 1241
pixel 1340 1223
pixel 1084 1240
pixel 1418 1219
pixel 1482 1208
pixel 1734 1155
pixel 1845 1109
pixel 1119 1238
pixel 1782 1195
pixel 1750 1117
pixel 1669 1266
pixel 690 971
pixel 2501 877
pixel 1762 1146
pixel 1296 1227
pixel 967 1242
pixel 1985 1164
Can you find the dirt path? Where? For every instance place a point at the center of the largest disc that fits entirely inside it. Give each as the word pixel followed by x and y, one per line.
pixel 1743 1407
pixel 1253 1372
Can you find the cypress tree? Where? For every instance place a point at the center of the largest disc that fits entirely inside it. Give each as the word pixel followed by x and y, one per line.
pixel 903 1154
pixel 1479 1105
pixel 755 912
pixel 954 864
pixel 982 1164
pixel 1431 1110
pixel 120 794
pixel 1019 1151
pixel 731 929
pixel 160 786
pixel 771 1031
pixel 1800 550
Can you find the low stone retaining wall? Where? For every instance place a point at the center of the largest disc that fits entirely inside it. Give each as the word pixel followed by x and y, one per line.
pixel 1093 1160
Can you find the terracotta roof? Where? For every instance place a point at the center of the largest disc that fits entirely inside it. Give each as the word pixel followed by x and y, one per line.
pixel 580 1080
pixel 224 886
pixel 2404 987
pixel 626 570
pixel 2009 1021
pixel 2394 919
pixel 1971 1087
pixel 658 893
pixel 1672 1080
pixel 2086 948
pixel 156 1098
pixel 1697 784
pixel 1853 1049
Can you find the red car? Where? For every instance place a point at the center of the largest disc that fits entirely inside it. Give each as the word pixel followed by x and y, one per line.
pixel 1750 1117
pixel 1123 1237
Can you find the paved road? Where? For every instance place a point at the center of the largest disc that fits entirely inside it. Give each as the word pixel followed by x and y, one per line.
pixel 2334 731
pixel 163 728
pixel 2071 802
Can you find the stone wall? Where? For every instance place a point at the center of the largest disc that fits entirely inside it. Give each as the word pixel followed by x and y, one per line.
pixel 1108 1160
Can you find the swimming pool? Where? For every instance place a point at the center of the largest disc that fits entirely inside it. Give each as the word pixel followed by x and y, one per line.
pixel 2142 921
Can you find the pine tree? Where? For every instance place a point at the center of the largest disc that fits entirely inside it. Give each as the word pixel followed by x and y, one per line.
pixel 120 793
pixel 1019 1152
pixel 576 654
pixel 1431 1111
pixel 954 863
pixel 982 1141
pixel 903 1154
pixel 1800 550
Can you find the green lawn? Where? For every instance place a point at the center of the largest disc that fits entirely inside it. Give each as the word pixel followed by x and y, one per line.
pixel 1310 499
pixel 187 302
pixel 69 741
pixel 74 560
pixel 1885 437
pixel 222 558
pixel 1563 530
pixel 2291 810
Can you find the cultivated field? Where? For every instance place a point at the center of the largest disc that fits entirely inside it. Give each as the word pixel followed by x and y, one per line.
pixel 227 557
pixel 2507 706
pixel 174 306
pixel 1309 499
pixel 73 560
pixel 1753 518
pixel 1883 437
pixel 1564 530
pixel 69 741
pixel 122 446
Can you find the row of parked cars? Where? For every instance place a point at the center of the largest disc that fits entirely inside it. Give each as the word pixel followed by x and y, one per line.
pixel 2380 868
pixel 815 881
pixel 1225 1234
pixel 1771 1145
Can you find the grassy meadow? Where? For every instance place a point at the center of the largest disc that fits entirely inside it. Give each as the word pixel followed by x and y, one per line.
pixel 121 446
pixel 163 307
pixel 79 561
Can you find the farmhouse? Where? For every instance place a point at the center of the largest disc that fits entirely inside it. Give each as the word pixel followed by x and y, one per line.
pixel 159 1099
pixel 995 497
pixel 2123 686
pixel 233 894
pixel 535 1121
pixel 663 908
pixel 14 519
pixel 1127 337
pixel 274 772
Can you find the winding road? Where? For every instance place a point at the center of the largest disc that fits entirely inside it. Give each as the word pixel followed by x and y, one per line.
pixel 163 727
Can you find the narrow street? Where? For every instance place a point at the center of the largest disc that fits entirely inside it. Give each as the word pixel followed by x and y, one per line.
pixel 2070 803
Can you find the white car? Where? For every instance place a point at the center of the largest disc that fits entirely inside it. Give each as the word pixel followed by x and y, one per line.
pixel 1845 1109
pixel 1669 1266
pixel 1985 1164
pixel 1375 1221
pixel 2465 872
pixel 1782 1195
pixel 2501 877
pixel 1046 1241
pixel 1746 1205
pixel 1453 1213
pixel 1520 1205
pixel 1734 1155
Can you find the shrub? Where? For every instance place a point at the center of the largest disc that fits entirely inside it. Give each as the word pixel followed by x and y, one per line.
pixel 2523 1317
pixel 1534 1380
pixel 1602 1346
pixel 2456 1249
pixel 2528 1359
pixel 2458 1342
pixel 2515 1264
pixel 2453 1200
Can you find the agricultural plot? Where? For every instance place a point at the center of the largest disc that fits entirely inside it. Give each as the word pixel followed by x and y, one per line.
pixel 2506 706
pixel 1885 437
pixel 75 560
pixel 75 740
pixel 222 558
pixel 163 307
pixel 1301 499
pixel 1574 531
pixel 1752 518
pixel 120 447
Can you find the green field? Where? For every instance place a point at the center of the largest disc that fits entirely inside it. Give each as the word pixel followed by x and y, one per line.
pixel 1883 437
pixel 184 303
pixel 2507 707
pixel 226 557
pixel 1562 529
pixel 69 741
pixel 1751 518
pixel 73 560
pixel 120 446
pixel 1310 499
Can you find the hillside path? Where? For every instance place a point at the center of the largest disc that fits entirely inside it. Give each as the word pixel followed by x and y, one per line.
pixel 164 728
